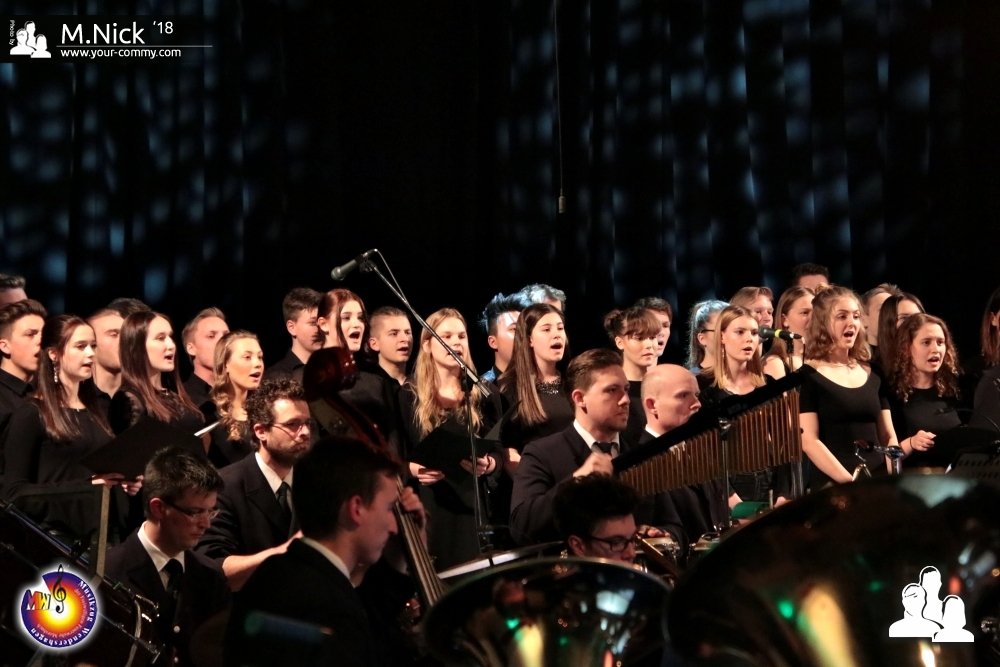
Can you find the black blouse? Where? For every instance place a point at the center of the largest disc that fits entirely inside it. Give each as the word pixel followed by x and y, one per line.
pixel 845 414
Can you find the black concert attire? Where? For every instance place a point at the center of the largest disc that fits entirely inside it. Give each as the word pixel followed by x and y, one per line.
pixel 636 415
pixel 547 462
pixel 13 393
pixel 750 486
pixel 225 447
pixel 188 593
pixel 986 401
pixel 127 408
pixel 251 516
pixel 337 624
pixel 38 464
pixel 845 414
pixel 450 502
pixel 290 366
pixel 199 391
pixel 491 375
pixel 702 507
pixel 515 434
pixel 376 397
pixel 558 409
pixel 925 411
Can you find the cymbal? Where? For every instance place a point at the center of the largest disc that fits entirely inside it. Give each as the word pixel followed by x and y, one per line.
pixel 551 611
pixel 818 581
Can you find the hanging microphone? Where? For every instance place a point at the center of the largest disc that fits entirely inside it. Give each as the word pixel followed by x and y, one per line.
pixel 340 272
pixel 767 333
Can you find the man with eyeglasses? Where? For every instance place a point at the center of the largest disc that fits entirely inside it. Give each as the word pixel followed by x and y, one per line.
pixel 179 493
pixel 594 515
pixel 256 519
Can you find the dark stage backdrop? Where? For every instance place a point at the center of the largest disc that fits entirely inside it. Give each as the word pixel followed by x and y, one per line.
pixel 701 146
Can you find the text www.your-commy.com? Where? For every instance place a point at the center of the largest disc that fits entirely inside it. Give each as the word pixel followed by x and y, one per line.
pixel 111 52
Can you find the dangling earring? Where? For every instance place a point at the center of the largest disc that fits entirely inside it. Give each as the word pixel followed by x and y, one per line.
pixel 55 372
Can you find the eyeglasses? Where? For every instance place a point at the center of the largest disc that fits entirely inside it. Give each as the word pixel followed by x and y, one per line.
pixel 193 514
pixel 615 544
pixel 293 428
pixel 707 331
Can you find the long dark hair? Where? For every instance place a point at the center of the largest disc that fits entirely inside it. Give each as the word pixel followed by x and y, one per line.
pixel 50 394
pixel 135 370
pixel 522 374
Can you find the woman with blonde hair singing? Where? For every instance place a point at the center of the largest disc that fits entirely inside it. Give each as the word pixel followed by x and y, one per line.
pixel 239 367
pixel 437 401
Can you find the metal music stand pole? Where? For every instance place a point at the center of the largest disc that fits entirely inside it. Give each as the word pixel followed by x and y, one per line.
pixel 469 380
pixel 724 427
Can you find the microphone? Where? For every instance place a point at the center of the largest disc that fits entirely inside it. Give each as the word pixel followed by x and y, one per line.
pixel 767 333
pixel 340 272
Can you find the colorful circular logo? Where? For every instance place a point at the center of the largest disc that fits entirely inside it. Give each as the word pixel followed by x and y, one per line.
pixel 61 614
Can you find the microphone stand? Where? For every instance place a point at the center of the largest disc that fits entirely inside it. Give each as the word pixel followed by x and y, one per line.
pixel 469 381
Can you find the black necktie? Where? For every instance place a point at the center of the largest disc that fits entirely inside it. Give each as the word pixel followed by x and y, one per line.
pixel 174 571
pixel 286 506
pixel 606 447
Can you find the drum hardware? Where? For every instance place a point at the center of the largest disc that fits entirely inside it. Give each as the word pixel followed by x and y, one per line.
pixel 662 552
pixel 861 447
pixel 551 611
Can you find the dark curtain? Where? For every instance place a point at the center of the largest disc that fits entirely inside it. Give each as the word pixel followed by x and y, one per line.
pixel 700 146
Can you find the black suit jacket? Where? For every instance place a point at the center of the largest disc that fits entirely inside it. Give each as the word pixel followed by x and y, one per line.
pixel 701 506
pixel 547 462
pixel 203 593
pixel 250 518
pixel 302 585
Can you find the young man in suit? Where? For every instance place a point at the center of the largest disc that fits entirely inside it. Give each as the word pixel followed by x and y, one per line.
pixel 255 516
pixel 179 493
pixel 599 391
pixel 199 337
pixel 333 585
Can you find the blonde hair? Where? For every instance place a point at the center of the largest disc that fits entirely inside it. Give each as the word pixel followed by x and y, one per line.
pixel 223 393
pixel 720 371
pixel 429 413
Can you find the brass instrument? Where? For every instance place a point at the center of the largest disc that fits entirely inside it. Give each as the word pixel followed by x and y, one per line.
pixel 558 612
pixel 819 581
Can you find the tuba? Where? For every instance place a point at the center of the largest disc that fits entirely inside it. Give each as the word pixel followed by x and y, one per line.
pixel 558 612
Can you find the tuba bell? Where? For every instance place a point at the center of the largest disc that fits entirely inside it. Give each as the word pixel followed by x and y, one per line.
pixel 558 612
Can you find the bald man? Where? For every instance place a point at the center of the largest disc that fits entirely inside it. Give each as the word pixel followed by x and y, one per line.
pixel 669 398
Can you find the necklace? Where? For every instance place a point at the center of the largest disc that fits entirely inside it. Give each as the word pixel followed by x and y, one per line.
pixel 549 388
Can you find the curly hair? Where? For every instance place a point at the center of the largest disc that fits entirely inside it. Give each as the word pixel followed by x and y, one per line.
pixel 223 393
pixel 819 342
pixel 900 372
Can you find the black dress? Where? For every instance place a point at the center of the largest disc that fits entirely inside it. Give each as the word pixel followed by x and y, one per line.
pixel 451 531
pixel 845 414
pixel 224 448
pixel 925 411
pixel 38 465
pixel 126 409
